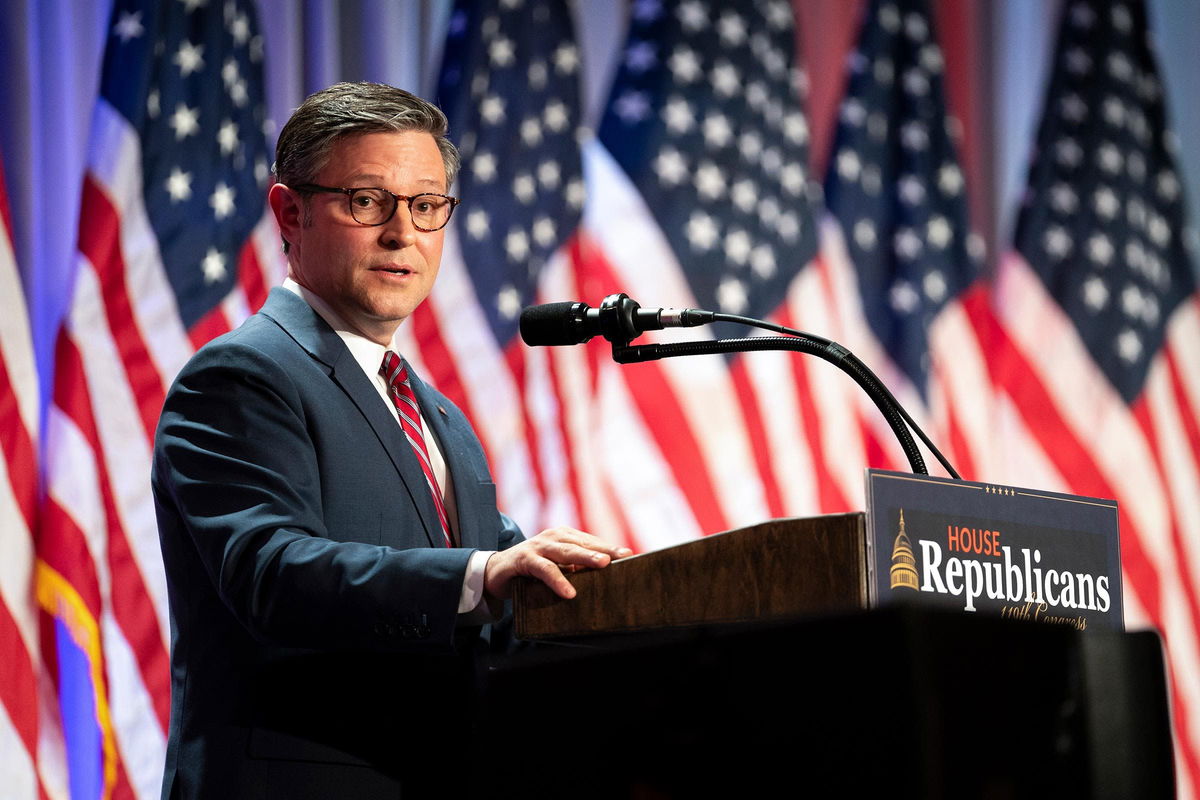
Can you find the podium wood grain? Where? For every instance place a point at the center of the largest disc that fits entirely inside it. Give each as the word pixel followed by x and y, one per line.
pixel 774 570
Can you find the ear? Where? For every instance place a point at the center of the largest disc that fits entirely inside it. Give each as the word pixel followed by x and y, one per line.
pixel 289 212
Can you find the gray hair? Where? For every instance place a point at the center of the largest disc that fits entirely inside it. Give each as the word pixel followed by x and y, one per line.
pixel 349 109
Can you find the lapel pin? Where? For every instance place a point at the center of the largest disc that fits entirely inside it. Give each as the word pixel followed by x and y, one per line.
pixel 443 410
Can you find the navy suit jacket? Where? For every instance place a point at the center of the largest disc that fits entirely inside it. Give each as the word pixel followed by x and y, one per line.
pixel 315 644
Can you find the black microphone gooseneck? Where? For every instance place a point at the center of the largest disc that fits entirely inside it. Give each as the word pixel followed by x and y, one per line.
pixel 620 319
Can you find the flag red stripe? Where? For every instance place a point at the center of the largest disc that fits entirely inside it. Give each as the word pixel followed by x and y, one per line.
pixel 100 243
pixel 1072 459
pixel 122 789
pixel 18 681
pixel 132 605
pixel 1179 562
pixel 877 455
pixel 440 363
pixel 5 210
pixel 829 494
pixel 19 450
pixel 756 432
pixel 208 327
pixel 572 476
pixel 655 399
pixel 136 615
pixel 624 530
pixel 1187 414
pixel 960 451
pixel 62 545
pixel 1145 421
pixel 514 357
pixel 250 276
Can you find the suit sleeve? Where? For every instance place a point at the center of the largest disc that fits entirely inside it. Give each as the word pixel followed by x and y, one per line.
pixel 238 487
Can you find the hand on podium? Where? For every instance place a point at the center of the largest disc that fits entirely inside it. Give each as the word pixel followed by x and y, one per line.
pixel 546 557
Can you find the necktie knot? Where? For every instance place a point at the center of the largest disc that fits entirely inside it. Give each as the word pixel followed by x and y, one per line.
pixel 393 370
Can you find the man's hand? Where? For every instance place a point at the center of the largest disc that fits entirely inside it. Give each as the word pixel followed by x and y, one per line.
pixel 545 557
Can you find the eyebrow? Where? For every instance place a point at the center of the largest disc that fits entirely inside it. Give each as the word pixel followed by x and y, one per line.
pixel 366 178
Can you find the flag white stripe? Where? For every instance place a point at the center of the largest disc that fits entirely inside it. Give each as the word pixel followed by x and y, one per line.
pixel 17 773
pixel 16 574
pixel 140 737
pixel 1183 340
pixel 847 324
pixel 1179 467
pixel 545 415
pixel 963 377
pixel 115 162
pixel 51 747
pixel 617 216
pixel 74 484
pixel 268 248
pixel 77 492
pixel 124 447
pixel 16 343
pixel 779 408
pixel 581 417
pixel 1095 416
pixel 494 403
pixel 650 499
pixel 235 308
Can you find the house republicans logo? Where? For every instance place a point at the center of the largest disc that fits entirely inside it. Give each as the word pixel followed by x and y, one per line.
pixel 978 564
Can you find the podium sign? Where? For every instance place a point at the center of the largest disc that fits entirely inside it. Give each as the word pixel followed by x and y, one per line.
pixel 977 547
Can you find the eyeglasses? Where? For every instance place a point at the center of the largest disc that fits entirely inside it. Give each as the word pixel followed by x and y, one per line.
pixel 374 206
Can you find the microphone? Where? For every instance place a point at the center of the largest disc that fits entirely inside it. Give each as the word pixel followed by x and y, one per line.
pixel 618 319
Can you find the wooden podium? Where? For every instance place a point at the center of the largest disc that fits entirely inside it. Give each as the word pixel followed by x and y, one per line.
pixel 746 664
pixel 781 569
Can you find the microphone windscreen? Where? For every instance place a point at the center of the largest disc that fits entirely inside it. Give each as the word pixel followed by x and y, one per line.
pixel 554 324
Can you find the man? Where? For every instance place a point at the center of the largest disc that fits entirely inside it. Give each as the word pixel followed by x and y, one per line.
pixel 328 521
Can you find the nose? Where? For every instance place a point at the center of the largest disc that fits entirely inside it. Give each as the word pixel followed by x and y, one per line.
pixel 399 231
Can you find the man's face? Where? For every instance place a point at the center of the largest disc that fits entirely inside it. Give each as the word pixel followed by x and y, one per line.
pixel 373 277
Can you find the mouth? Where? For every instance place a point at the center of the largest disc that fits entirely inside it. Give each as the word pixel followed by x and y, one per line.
pixel 394 269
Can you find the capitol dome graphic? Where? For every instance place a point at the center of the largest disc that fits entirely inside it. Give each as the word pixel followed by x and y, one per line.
pixel 904 565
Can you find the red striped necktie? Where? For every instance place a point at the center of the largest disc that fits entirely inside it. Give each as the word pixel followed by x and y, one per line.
pixel 396 375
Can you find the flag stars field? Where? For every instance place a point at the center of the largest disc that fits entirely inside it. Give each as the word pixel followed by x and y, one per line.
pixel 222 201
pixel 179 185
pixel 129 26
pixel 213 266
pixel 189 58
pixel 185 121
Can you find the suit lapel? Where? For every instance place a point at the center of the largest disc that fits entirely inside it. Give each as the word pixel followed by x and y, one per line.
pixel 312 333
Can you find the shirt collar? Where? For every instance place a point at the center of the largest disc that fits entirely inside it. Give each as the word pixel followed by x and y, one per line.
pixel 367 353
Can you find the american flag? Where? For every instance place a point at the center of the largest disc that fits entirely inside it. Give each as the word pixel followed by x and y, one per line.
pixel 897 252
pixel 30 739
pixel 1097 350
pixel 702 198
pixel 699 196
pixel 510 87
pixel 175 247
pixel 655 453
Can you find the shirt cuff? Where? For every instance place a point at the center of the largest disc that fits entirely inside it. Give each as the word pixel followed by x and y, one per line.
pixel 470 602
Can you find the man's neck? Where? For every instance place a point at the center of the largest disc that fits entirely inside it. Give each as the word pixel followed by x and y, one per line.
pixel 337 321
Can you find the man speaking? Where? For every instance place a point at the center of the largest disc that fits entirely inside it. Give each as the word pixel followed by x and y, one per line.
pixel 328 522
